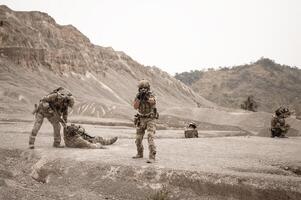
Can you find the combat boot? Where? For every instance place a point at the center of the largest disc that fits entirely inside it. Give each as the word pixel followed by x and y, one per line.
pixel 55 145
pixel 31 142
pixel 152 158
pixel 139 155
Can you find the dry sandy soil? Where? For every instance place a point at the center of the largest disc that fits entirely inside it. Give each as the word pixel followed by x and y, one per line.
pixel 219 165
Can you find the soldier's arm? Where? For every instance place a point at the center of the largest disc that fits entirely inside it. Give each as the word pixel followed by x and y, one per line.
pixel 152 100
pixel 49 98
pixel 136 103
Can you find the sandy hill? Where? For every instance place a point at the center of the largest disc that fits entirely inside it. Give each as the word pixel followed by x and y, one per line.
pixel 37 55
pixel 270 83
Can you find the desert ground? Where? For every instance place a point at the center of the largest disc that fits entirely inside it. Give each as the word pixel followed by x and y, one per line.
pixel 220 164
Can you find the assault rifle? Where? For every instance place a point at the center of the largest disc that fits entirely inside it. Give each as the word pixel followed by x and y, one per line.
pixel 143 95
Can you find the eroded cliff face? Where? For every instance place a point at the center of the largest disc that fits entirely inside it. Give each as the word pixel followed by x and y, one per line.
pixel 37 55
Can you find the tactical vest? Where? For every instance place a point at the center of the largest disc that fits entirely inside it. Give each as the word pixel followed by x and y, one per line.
pixel 275 120
pixel 146 108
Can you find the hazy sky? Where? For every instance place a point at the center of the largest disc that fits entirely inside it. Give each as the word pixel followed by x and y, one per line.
pixel 180 35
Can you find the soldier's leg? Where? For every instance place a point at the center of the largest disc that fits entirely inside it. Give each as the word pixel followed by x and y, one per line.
pixel 139 138
pixel 104 141
pixel 79 142
pixel 36 127
pixel 56 131
pixel 151 130
pixel 284 132
pixel 272 133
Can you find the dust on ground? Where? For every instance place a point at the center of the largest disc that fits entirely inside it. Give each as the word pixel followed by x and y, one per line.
pixel 210 167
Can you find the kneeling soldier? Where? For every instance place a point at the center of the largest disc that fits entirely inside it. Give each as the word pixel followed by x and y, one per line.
pixel 279 127
pixel 190 131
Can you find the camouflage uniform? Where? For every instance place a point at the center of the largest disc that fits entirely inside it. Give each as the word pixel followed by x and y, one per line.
pixel 191 131
pixel 53 107
pixel 76 137
pixel 145 120
pixel 278 126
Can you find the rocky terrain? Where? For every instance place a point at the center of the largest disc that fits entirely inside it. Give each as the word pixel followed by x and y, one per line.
pixel 38 55
pixel 270 83
pixel 210 167
pixel 228 161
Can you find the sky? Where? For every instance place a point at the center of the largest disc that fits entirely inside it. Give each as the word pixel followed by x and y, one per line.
pixel 184 35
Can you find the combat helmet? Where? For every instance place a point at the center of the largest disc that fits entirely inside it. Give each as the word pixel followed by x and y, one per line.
pixel 192 125
pixel 143 84
pixel 282 111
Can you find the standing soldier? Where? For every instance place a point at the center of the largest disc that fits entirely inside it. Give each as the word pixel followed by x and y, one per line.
pixel 145 119
pixel 54 107
pixel 279 127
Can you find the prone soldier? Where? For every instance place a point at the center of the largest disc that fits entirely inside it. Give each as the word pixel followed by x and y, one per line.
pixel 76 137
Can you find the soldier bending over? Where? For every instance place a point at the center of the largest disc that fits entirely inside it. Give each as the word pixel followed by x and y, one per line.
pixel 53 107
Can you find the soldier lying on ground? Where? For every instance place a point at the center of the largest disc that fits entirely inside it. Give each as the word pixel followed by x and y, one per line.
pixel 191 131
pixel 279 127
pixel 76 137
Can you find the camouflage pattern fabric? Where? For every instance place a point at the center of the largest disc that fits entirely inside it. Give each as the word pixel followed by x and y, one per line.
pixel 278 126
pixel 51 107
pixel 145 119
pixel 191 133
pixel 76 137
pixel 149 125
pixel 146 108
pixel 79 142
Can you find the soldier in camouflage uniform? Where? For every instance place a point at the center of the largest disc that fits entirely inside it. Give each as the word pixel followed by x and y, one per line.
pixel 191 131
pixel 145 119
pixel 53 107
pixel 76 137
pixel 279 127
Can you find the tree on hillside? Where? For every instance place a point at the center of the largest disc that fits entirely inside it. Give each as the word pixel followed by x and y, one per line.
pixel 249 104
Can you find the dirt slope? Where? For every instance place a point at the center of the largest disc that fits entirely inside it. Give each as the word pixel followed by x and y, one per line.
pixel 251 168
pixel 38 55
pixel 270 83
